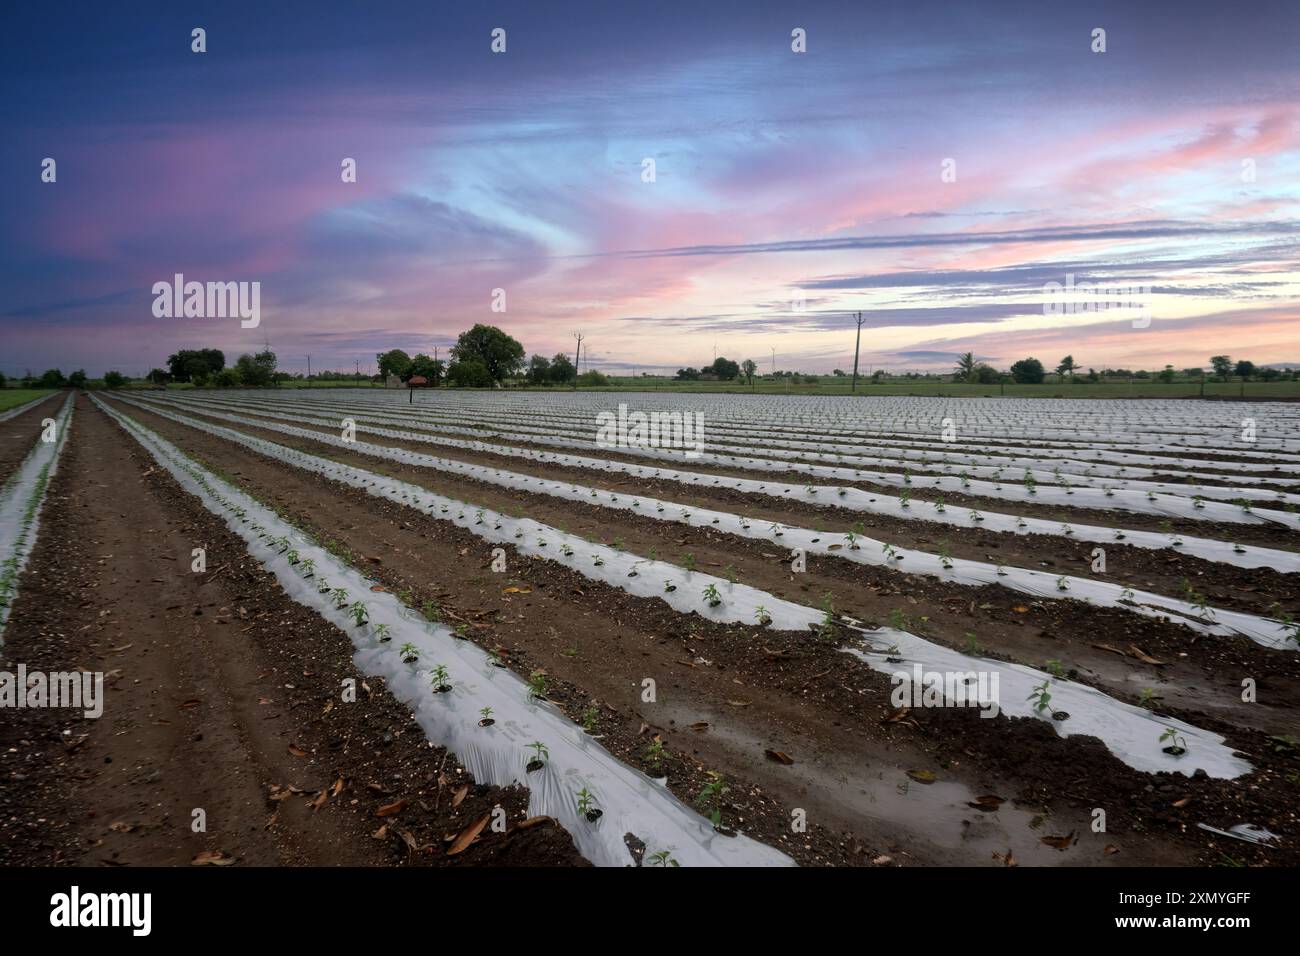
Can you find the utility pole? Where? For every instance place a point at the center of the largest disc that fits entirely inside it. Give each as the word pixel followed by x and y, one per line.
pixel 577 357
pixel 856 346
pixel 309 366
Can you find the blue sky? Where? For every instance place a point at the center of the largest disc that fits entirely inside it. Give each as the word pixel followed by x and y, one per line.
pixel 791 189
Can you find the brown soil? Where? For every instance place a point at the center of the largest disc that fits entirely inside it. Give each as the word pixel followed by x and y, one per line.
pixel 819 701
pixel 19 435
pixel 220 694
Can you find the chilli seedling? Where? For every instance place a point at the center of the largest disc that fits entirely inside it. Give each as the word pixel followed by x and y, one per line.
pixel 1041 696
pixel 440 679
pixel 712 596
pixel 537 685
pixel 1177 742
pixel 662 858
pixel 384 633
pixel 540 755
pixel 359 613
pixel 409 652
pixel 710 798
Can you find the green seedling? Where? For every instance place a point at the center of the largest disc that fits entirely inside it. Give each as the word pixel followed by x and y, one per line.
pixel 589 716
pixel 340 596
pixel 711 797
pixel 537 685
pixel 359 613
pixel 1056 669
pixel 586 802
pixel 712 596
pixel 688 561
pixel 655 754
pixel 540 752
pixel 383 632
pixel 1177 742
pixel 439 678
pixel 662 858
pixel 408 651
pixel 1041 696
pixel 761 615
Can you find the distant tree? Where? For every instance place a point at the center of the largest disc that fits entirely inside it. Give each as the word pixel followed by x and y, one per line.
pixel 1269 374
pixel 226 378
pixel 487 345
pixel 187 363
pixel 1222 365
pixel 1166 374
pixel 393 362
pixel 838 373
pixel 965 371
pixel 424 365
pixel 78 378
pixel 1067 366
pixel 592 378
pixel 3 380
pixel 725 369
pixel 1194 372
pixel 256 371
pixel 561 371
pixel 688 375
pixel 1244 369
pixel 52 378
pixel 470 373
pixel 159 377
pixel 114 379
pixel 539 370
pixel 749 367
pixel 1093 377
pixel 986 374
pixel 1028 371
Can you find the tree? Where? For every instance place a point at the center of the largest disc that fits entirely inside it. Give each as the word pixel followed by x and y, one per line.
pixel 1270 374
pixel 470 373
pixel 562 370
pixel 1067 367
pixel 393 362
pixel 724 368
pixel 114 379
pixel 430 368
pixel 965 370
pixel 3 380
pixel 226 378
pixel 539 370
pixel 256 371
pixel 1028 371
pixel 78 378
pixel 592 378
pixel 487 345
pixel 1166 375
pixel 1222 365
pixel 1194 372
pixel 1245 369
pixel 52 378
pixel 158 377
pixel 749 367
pixel 986 374
pixel 187 363
pixel 688 375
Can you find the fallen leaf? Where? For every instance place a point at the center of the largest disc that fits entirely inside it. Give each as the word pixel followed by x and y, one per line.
pixel 468 835
pixel 514 590
pixel 533 822
pixel 1020 609
pixel 1008 858
pixel 391 809
pixel 1111 849
pixel 297 751
pixel 459 795
pixel 921 776
pixel 700 726
pixel 1144 657
pixel 212 858
pixel 1183 802
pixel 337 788
pixel 988 802
pixel 1058 842
pixel 778 756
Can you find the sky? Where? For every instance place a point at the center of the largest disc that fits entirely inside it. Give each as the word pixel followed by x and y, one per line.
pixel 940 168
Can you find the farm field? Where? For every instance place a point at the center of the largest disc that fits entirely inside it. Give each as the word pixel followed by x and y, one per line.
pixel 573 643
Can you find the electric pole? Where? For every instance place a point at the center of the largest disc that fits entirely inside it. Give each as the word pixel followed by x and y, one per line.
pixel 856 346
pixel 577 357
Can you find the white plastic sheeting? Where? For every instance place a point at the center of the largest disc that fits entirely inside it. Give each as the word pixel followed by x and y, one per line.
pixel 855 499
pixel 631 802
pixel 862 549
pixel 1122 728
pixel 21 498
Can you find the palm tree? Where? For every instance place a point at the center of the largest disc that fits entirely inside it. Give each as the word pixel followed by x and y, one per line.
pixel 966 367
pixel 1067 366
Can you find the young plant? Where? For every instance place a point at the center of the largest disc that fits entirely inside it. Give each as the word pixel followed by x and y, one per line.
pixel 408 651
pixel 761 615
pixel 655 753
pixel 589 716
pixel 662 858
pixel 440 679
pixel 712 596
pixel 710 798
pixel 359 613
pixel 540 753
pixel 537 685
pixel 1041 696
pixel 1177 742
